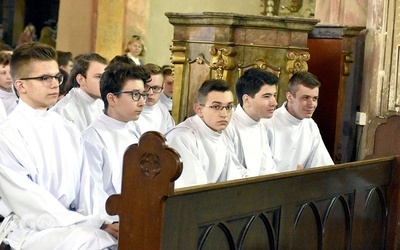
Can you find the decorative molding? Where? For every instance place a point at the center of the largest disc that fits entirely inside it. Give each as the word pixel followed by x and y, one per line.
pixel 150 165
pixel 222 59
pixel 296 62
pixel 178 54
pixel 261 64
pixel 200 59
pixel 268 7
pixel 348 59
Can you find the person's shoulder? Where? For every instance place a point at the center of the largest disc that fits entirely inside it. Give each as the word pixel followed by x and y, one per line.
pixel 163 108
pixel 92 134
pixel 184 128
pixel 62 121
pixel 68 101
pixel 309 122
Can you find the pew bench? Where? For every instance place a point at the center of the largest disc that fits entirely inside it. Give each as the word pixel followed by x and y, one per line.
pixel 346 206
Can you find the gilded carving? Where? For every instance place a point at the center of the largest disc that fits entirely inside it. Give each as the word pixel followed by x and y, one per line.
pixel 346 64
pixel 178 60
pixel 261 64
pixel 150 165
pixel 200 59
pixel 297 61
pixel 223 59
pixel 178 54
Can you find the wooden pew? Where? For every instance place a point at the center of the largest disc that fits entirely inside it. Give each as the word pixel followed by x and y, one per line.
pixel 347 206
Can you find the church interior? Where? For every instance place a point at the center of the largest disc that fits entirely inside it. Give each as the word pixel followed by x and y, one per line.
pixel 353 47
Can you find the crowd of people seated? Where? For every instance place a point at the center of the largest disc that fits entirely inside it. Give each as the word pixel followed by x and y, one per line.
pixel 66 122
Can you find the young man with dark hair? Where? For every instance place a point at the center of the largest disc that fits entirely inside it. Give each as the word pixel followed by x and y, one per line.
pixel 293 135
pixel 65 61
pixel 83 104
pixel 107 138
pixel 155 115
pixel 256 92
pixel 168 84
pixel 47 194
pixel 200 140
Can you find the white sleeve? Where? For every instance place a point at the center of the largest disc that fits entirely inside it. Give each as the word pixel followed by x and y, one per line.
pixel 37 203
pixel 193 172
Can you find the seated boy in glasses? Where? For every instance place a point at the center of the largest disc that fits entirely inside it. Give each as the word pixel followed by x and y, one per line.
pixel 107 138
pixel 256 92
pixel 201 141
pixel 47 196
pixel 155 115
pixel 7 95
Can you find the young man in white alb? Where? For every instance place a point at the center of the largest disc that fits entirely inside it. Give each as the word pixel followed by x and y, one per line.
pixel 48 197
pixel 83 104
pixel 155 115
pixel 107 138
pixel 256 92
pixel 294 137
pixel 207 155
pixel 168 84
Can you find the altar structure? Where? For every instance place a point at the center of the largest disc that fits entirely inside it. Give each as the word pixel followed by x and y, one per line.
pixel 223 45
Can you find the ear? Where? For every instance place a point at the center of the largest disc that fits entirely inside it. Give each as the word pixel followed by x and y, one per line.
pixel 20 87
pixel 198 109
pixel 289 96
pixel 112 99
pixel 246 100
pixel 80 79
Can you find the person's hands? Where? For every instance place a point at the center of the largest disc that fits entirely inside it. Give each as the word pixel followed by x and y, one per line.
pixel 112 229
pixel 299 167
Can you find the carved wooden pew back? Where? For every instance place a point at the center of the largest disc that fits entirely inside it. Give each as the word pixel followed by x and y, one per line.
pixel 348 206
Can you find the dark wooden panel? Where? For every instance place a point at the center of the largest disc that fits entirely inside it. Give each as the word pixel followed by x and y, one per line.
pixel 346 206
pixel 315 208
pixel 326 63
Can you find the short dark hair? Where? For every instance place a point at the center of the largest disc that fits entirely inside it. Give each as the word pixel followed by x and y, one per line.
pixel 63 58
pixel 81 66
pixel 211 85
pixel 27 52
pixel 122 59
pixel 115 76
pixel 251 82
pixel 302 78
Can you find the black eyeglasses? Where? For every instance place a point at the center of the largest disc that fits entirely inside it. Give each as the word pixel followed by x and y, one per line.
pixel 156 89
pixel 219 107
pixel 46 79
pixel 135 95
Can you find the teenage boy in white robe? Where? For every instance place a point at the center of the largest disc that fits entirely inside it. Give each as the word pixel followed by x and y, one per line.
pixel 155 115
pixel 293 135
pixel 7 95
pixel 47 195
pixel 83 104
pixel 168 88
pixel 256 92
pixel 200 140
pixel 107 138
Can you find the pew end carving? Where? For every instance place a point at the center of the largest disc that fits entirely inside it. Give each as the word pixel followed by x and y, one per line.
pixel 150 169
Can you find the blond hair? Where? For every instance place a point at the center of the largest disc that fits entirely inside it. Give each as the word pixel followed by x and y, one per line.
pixel 136 38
